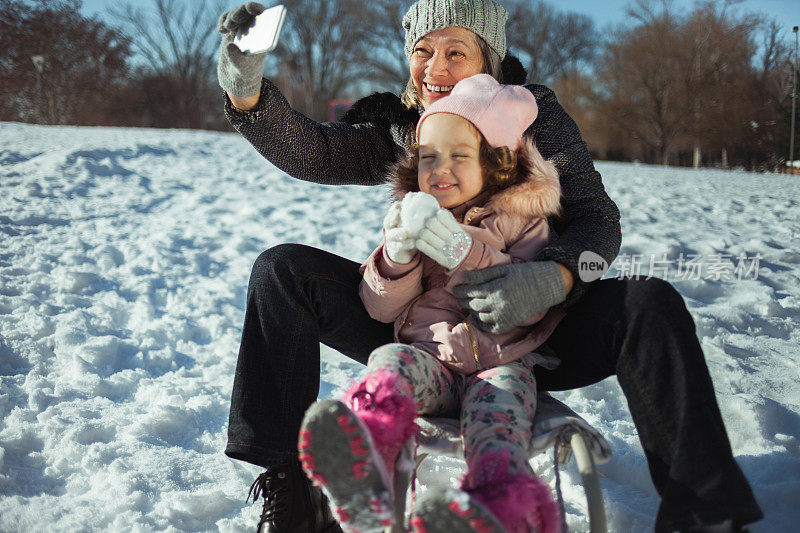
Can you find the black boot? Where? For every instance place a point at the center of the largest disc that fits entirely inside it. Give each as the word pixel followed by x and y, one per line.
pixel 291 503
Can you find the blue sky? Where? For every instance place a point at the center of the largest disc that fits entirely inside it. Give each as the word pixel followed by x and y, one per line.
pixel 613 11
pixel 603 12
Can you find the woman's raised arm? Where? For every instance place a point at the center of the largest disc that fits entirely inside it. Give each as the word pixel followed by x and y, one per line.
pixel 328 153
pixel 324 153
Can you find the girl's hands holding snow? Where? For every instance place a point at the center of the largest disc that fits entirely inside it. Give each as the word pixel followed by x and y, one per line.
pixel 444 240
pixel 400 245
pixel 417 223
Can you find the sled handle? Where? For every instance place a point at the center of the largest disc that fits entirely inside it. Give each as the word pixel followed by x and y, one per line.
pixel 591 484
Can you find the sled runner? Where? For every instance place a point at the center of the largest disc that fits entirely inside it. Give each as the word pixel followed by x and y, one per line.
pixel 555 425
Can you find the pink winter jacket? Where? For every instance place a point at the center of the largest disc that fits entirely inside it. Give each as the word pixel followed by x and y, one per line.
pixel 418 297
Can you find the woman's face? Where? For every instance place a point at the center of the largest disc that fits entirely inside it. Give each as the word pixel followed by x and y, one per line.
pixel 441 59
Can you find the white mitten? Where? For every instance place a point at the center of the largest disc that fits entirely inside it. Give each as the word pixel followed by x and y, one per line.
pixel 444 240
pixel 399 244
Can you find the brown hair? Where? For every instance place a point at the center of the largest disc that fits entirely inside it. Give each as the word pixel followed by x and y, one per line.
pixel 500 168
pixel 491 66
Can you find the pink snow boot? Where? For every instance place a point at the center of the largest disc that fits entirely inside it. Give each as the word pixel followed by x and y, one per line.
pixel 384 401
pixel 451 510
pixel 349 449
pixel 521 502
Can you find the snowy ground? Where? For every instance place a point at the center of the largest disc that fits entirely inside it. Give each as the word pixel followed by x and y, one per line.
pixel 124 258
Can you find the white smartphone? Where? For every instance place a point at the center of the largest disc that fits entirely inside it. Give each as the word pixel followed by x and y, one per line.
pixel 263 35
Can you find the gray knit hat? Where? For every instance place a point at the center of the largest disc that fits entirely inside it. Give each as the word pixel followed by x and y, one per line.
pixel 484 17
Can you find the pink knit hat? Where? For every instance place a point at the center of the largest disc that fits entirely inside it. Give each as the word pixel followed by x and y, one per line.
pixel 501 113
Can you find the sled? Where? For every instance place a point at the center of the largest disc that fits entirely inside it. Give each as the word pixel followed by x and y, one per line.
pixel 555 425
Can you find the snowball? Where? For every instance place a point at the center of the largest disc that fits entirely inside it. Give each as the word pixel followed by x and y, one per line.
pixel 415 209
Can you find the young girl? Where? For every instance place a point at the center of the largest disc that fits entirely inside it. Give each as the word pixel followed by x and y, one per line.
pixel 494 192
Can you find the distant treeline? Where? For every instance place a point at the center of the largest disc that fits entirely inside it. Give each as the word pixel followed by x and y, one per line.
pixel 706 87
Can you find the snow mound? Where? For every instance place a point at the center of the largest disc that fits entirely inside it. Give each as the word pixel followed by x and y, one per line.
pixel 124 260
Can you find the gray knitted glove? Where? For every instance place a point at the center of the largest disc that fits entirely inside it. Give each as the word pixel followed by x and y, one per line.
pixel 505 296
pixel 239 74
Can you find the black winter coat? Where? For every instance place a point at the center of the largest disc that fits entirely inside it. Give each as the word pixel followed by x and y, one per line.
pixel 375 132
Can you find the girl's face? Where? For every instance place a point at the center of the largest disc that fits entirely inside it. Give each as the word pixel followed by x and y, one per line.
pixel 449 163
pixel 441 59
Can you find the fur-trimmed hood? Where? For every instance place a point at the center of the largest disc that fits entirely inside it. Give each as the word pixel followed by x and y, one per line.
pixel 539 195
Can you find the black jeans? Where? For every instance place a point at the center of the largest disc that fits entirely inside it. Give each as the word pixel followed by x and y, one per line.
pixel 638 329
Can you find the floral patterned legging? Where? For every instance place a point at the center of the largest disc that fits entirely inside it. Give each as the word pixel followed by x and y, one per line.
pixel 496 406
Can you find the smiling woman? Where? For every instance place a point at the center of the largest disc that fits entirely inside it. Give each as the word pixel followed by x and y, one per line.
pixel 300 296
pixel 441 59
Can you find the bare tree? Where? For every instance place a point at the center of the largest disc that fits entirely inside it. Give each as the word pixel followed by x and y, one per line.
pixel 384 62
pixel 321 53
pixel 550 43
pixel 716 56
pixel 178 42
pixel 690 85
pixel 642 80
pixel 646 11
pixel 763 138
pixel 80 58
